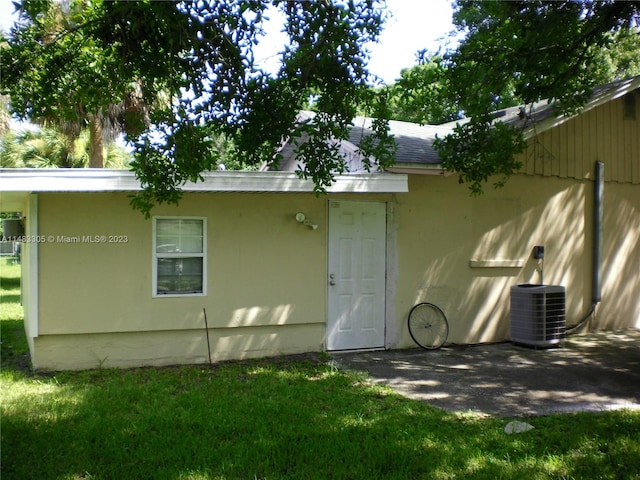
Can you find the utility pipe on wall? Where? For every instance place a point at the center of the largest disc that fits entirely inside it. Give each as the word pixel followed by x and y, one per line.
pixel 598 220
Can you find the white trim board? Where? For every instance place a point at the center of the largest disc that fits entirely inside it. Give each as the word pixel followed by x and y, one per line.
pixel 106 180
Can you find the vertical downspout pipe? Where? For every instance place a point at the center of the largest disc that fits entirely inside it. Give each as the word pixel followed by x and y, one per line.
pixel 598 218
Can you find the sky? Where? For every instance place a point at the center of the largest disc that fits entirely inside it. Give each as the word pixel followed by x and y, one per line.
pixel 414 25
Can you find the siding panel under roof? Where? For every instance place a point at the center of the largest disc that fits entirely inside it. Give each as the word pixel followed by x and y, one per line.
pixel 600 134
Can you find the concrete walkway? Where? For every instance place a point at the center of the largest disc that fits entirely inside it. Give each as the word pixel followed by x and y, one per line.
pixel 590 372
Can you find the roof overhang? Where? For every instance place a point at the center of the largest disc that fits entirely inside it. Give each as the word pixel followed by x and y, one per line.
pixel 605 94
pixel 16 184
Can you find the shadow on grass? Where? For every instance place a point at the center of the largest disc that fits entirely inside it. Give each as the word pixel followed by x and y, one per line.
pixel 11 298
pixel 14 350
pixel 9 283
pixel 281 419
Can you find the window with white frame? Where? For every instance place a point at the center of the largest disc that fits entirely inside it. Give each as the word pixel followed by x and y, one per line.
pixel 179 256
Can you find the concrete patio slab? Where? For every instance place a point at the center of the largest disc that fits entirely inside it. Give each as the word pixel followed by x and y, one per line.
pixel 590 372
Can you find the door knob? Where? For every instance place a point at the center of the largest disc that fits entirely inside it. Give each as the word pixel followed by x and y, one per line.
pixel 332 280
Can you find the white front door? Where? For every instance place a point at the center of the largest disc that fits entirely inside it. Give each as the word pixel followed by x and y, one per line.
pixel 357 263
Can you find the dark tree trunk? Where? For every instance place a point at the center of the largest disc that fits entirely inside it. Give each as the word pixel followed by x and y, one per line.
pixel 96 142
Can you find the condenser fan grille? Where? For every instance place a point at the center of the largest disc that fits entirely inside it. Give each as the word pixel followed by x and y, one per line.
pixel 538 317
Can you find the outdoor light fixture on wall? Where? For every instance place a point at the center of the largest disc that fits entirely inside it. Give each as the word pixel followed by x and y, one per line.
pixel 301 218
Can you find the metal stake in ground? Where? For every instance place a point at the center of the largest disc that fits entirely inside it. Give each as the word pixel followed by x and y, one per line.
pixel 206 332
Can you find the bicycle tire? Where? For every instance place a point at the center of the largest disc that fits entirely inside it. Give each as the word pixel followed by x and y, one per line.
pixel 428 326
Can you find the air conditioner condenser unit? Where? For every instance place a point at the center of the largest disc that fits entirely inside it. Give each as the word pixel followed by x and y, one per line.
pixel 538 315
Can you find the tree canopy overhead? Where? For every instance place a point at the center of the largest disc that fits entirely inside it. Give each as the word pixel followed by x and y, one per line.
pixel 191 64
pixel 544 50
pixel 180 77
pixel 528 50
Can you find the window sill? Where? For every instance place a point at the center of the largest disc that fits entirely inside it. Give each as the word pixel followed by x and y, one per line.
pixel 178 295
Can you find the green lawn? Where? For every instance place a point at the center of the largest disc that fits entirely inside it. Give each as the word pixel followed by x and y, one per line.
pixel 296 418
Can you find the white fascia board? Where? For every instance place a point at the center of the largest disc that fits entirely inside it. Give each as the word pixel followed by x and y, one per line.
pixel 104 180
pixel 66 180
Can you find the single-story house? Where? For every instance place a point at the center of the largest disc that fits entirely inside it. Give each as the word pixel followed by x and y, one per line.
pixel 259 265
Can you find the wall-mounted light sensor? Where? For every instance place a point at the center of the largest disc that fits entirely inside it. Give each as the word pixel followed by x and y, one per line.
pixel 301 218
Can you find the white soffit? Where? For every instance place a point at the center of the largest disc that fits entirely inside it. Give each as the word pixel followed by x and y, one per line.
pixel 104 180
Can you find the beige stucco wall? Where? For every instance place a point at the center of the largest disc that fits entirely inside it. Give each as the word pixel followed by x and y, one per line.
pixel 171 347
pixel 443 229
pixel 267 274
pixel 620 307
pixel 265 271
pixel 448 240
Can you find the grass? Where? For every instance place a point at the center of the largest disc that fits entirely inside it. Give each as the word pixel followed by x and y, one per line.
pixel 291 417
